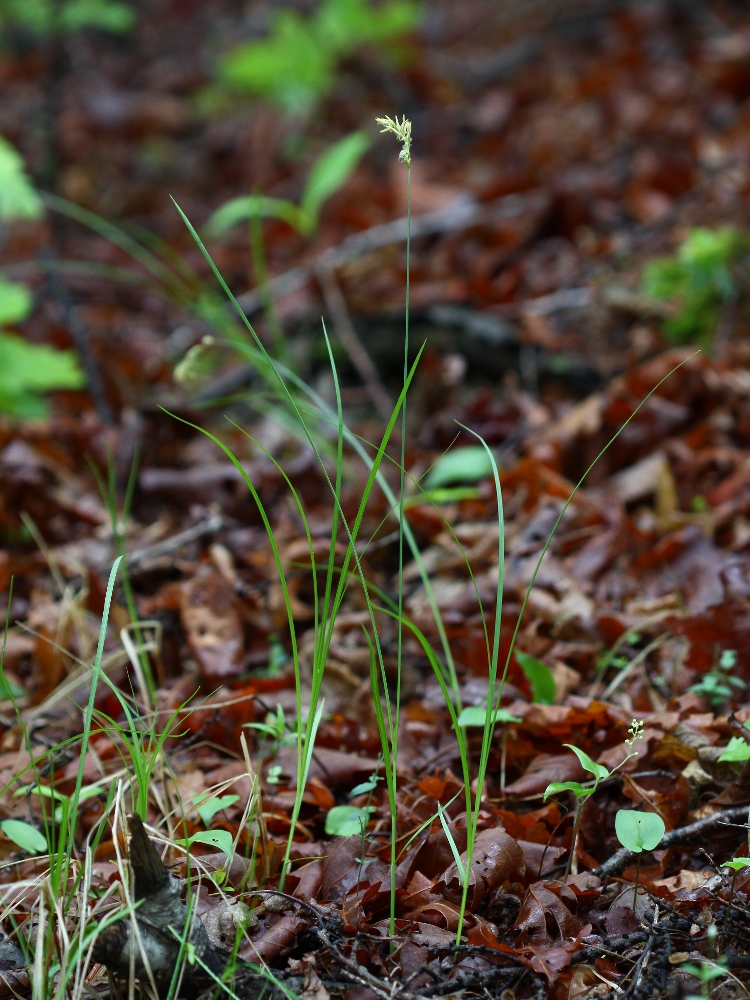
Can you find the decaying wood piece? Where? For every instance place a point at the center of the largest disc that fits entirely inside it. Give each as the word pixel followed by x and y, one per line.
pixel 152 949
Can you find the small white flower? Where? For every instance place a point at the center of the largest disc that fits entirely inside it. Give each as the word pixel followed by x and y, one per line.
pixel 402 131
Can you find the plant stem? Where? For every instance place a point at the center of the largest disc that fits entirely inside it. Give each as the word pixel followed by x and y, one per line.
pixel 574 844
pixel 401 497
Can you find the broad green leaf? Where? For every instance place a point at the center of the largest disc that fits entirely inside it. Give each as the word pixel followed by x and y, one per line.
pixel 289 66
pixel 540 677
pixel 738 749
pixel 567 786
pixel 18 199
pixel 216 838
pixel 329 173
pixel 15 302
pixel 29 369
pixel 460 465
pixel 365 786
pixel 639 831
pixel 207 809
pixel 736 864
pixel 25 835
pixel 475 715
pixel 598 770
pixel 252 205
pixel 347 821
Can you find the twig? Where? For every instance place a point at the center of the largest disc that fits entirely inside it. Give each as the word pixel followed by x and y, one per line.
pixel 461 213
pixel 638 971
pixel 336 305
pixel 168 545
pixel 620 859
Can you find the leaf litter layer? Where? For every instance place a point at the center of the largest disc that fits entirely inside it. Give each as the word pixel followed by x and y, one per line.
pixel 278 869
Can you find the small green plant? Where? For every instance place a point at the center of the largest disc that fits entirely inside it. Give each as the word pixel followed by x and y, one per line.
pixel 717 685
pixel 698 279
pixel 705 973
pixel 27 370
pixel 600 773
pixel 328 174
pixel 296 64
pixel 48 17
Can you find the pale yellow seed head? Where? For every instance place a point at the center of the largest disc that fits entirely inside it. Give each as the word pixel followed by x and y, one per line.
pixel 402 131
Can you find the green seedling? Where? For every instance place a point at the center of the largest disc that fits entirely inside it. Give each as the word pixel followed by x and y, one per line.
pixel 348 821
pixel 638 832
pixel 717 686
pixel 276 728
pixel 613 657
pixel 46 18
pixel 599 772
pixel 329 173
pixel 295 66
pixel 706 973
pixel 698 279
pixel 540 678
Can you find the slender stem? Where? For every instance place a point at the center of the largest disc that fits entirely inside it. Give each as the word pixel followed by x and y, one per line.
pixel 401 497
pixel 637 877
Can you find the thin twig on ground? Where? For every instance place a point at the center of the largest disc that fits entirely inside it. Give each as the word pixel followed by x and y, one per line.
pixel 675 838
pixel 336 305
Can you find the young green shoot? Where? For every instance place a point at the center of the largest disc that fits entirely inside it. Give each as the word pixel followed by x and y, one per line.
pixel 402 132
pixel 599 772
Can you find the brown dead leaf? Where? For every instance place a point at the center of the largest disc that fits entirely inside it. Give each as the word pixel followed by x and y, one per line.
pixel 274 941
pixel 337 863
pixel 545 768
pixel 543 910
pixel 496 857
pixel 212 623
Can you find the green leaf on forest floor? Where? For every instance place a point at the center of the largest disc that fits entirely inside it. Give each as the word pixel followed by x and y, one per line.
pixel 347 821
pixel 215 838
pixel 461 465
pixel 207 808
pixel 540 678
pixel 26 836
pixel 476 715
pixel 639 831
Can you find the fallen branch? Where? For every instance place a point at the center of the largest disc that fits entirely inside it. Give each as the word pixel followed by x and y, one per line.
pixel 675 838
pixel 169 545
pixel 461 213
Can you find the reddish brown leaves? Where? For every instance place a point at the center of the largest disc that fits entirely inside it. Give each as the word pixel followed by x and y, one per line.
pixel 545 913
pixel 496 857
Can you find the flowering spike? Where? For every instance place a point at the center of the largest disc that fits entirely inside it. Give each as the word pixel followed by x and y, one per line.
pixel 402 131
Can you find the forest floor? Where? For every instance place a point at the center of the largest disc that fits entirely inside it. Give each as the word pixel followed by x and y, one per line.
pixel 550 163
